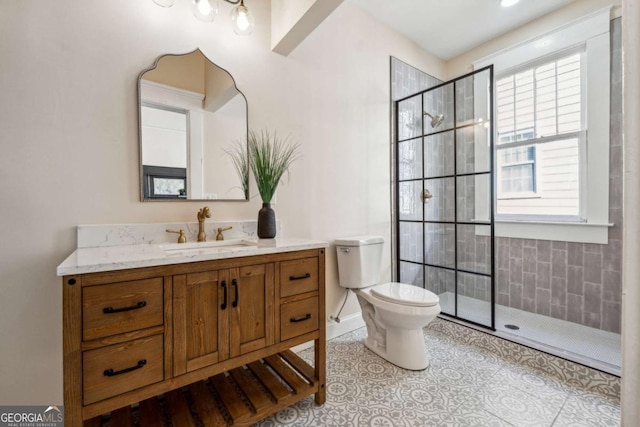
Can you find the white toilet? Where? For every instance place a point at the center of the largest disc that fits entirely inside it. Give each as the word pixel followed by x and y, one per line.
pixel 394 313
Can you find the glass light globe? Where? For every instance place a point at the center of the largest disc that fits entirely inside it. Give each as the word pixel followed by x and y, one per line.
pixel 205 10
pixel 164 3
pixel 243 20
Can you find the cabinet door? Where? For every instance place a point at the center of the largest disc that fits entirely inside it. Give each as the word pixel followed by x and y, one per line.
pixel 252 308
pixel 201 320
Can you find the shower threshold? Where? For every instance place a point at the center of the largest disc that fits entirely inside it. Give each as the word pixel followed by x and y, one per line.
pixel 581 344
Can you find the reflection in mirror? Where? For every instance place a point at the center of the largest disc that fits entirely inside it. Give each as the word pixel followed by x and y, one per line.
pixel 191 115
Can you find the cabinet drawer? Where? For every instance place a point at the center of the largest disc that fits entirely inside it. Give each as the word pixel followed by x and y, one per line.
pixel 298 276
pixel 121 307
pixel 298 318
pixel 119 368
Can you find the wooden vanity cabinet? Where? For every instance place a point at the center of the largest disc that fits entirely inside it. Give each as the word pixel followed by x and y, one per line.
pixel 132 335
pixel 220 314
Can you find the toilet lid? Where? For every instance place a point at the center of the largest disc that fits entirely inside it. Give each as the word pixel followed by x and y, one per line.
pixel 401 293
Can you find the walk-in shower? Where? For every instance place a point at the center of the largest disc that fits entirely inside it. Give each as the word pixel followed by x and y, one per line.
pixel 444 227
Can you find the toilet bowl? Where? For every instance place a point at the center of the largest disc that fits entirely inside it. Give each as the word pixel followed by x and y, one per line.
pixel 394 313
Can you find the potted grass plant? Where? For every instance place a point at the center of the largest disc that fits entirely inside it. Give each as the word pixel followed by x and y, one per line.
pixel 269 158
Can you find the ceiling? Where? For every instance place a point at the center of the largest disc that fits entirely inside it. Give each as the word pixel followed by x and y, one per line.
pixel 447 28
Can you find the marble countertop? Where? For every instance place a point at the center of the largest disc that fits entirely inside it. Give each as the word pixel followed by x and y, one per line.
pixel 110 258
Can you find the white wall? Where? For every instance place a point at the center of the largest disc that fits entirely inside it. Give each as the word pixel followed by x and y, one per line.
pixel 68 121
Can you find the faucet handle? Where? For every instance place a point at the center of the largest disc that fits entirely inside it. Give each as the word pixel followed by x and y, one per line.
pixel 220 236
pixel 181 237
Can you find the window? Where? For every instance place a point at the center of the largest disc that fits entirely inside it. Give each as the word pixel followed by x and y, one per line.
pixel 560 190
pixel 540 138
pixel 161 182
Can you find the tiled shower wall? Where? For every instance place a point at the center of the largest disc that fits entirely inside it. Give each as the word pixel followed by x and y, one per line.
pixel 440 239
pixel 407 80
pixel 474 243
pixel 577 282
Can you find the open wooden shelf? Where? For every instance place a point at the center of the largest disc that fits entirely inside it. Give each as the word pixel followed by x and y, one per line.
pixel 239 397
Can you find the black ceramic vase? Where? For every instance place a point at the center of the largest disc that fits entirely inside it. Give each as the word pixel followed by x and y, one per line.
pixel 266 222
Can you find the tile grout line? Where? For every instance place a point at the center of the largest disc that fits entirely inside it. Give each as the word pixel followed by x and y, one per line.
pixel 560 411
pixel 484 386
pixel 499 417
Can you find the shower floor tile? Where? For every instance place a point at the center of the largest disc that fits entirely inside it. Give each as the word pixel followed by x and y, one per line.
pixel 474 379
pixel 588 346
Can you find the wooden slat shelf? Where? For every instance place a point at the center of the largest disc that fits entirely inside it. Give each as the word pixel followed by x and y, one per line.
pixel 237 398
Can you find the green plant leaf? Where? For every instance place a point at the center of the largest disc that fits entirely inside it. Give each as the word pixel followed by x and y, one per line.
pixel 269 158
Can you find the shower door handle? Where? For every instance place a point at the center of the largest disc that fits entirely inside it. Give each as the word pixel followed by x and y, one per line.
pixel 426 196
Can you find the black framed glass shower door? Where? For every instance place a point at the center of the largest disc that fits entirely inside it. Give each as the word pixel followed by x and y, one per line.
pixel 444 195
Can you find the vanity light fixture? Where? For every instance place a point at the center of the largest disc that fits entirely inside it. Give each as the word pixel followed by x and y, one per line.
pixel 243 20
pixel 164 3
pixel 508 3
pixel 206 11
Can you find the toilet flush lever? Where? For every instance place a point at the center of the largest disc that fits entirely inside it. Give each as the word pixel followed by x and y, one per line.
pixel 345 250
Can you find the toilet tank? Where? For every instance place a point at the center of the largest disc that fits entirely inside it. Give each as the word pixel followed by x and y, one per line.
pixel 359 260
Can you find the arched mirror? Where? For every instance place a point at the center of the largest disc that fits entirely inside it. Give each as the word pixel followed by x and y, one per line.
pixel 193 119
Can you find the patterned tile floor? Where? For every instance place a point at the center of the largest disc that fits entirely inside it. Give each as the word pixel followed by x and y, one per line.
pixel 474 380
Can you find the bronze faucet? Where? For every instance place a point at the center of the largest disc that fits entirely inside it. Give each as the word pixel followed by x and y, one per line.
pixel 203 214
pixel 220 236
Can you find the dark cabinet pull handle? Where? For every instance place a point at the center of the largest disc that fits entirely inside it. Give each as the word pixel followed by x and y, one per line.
pixel 224 288
pixel 301 319
pixel 109 310
pixel 305 276
pixel 112 373
pixel 234 282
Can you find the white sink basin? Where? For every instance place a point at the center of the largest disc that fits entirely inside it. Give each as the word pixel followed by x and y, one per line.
pixel 216 244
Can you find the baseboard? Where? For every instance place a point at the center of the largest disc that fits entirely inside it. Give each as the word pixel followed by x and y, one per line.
pixel 347 324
